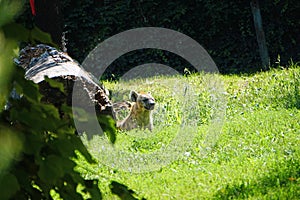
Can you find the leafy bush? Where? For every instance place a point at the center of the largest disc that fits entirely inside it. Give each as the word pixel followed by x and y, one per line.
pixel 37 140
pixel 224 29
pixel 40 144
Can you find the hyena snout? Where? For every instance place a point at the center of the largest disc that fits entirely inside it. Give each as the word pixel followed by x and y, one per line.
pixel 149 104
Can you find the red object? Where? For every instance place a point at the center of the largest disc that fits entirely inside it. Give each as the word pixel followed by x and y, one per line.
pixel 32 7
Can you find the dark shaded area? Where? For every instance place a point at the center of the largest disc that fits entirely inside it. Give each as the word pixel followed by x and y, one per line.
pixel 139 57
pixel 49 18
pixel 224 29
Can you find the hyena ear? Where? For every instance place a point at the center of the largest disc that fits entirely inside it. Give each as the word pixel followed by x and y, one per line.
pixel 133 96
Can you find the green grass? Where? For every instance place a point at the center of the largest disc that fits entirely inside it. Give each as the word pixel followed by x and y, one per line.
pixel 240 139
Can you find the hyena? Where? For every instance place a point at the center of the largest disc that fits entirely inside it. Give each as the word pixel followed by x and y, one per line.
pixel 140 115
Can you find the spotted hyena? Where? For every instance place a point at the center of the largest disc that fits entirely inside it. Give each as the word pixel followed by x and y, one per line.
pixel 140 115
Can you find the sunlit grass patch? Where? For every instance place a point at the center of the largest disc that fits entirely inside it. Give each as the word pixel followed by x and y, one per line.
pixel 255 155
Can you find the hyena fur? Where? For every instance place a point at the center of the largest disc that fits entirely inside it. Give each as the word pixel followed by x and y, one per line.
pixel 140 115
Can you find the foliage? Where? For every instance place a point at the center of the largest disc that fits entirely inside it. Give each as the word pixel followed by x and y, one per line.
pixel 122 191
pixel 37 140
pixel 224 29
pixel 256 156
pixel 42 144
pixel 7 47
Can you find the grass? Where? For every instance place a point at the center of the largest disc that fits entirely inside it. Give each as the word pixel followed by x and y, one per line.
pixel 215 137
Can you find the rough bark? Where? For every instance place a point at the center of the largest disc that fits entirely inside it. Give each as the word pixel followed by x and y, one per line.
pixel 42 60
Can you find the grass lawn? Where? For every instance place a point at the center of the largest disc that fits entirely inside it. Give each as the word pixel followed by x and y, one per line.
pixel 215 137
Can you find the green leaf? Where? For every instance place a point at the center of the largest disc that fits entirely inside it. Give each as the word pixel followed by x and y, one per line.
pixel 16 31
pixel 69 190
pixel 52 169
pixel 93 189
pixel 9 185
pixel 20 33
pixel 39 35
pixel 7 47
pixel 11 144
pixel 55 84
pixel 122 191
pixel 8 10
pixel 65 146
pixel 40 117
pixel 77 142
pixel 107 123
pixel 80 114
pixel 26 87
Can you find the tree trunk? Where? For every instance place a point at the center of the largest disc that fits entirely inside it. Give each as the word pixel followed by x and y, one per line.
pixel 42 60
pixel 49 19
pixel 260 35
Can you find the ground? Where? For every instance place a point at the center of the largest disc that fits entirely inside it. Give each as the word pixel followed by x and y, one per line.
pixel 237 136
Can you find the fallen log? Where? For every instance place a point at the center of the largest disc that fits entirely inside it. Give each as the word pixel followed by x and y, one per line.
pixel 44 61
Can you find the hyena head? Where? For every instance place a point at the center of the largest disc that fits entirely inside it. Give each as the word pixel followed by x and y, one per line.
pixel 144 101
pixel 140 115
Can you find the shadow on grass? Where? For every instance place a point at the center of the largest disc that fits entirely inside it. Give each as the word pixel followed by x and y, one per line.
pixel 281 183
